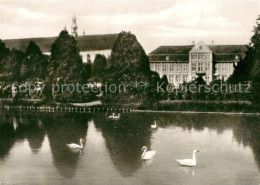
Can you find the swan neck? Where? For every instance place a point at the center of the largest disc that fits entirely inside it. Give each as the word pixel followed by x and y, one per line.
pixel 81 145
pixel 144 152
pixel 194 156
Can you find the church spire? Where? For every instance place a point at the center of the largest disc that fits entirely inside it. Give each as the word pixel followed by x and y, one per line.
pixel 74 26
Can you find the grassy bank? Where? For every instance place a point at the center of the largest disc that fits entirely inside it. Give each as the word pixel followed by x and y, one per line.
pixel 204 106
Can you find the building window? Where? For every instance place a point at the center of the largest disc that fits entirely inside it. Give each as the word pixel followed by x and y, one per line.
pixel 193 66
pixel 194 56
pixel 184 78
pixel 185 67
pixel 167 57
pixel 164 68
pixel 158 67
pixel 193 78
pixel 207 66
pixel 171 78
pixel 200 67
pixel 171 67
pixel 178 67
pixel 231 68
pixel 225 67
pixel 207 79
pixel 206 57
pixel 217 68
pixel 200 56
pixel 178 78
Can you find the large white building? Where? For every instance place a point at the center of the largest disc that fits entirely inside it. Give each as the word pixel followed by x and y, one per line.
pixel 183 63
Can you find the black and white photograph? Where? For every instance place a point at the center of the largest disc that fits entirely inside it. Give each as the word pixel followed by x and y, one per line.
pixel 130 92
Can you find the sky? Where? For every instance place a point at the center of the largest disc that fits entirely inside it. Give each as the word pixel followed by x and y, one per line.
pixel 154 22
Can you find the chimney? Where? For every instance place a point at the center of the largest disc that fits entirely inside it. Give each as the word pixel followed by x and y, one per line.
pixel 212 42
pixel 193 43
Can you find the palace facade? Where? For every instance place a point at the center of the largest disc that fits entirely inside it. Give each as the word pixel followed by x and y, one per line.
pixel 184 63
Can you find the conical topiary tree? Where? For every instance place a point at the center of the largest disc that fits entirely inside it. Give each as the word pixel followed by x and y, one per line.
pixel 34 65
pixel 98 67
pixel 65 68
pixel 128 65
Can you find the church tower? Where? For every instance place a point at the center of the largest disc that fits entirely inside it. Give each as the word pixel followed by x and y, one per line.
pixel 74 27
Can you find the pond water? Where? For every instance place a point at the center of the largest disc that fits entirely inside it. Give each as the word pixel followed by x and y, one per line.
pixel 33 148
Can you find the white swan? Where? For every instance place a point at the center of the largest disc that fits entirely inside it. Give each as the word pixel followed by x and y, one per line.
pixel 114 117
pixel 117 117
pixel 154 125
pixel 146 155
pixel 74 146
pixel 188 162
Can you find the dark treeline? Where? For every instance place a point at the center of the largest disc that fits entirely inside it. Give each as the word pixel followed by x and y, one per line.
pixel 32 67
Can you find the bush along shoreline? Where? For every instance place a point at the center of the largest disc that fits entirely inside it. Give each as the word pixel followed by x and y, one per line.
pixel 161 106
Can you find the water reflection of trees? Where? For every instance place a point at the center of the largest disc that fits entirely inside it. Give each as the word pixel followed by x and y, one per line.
pixel 197 122
pixel 246 129
pixel 124 140
pixel 63 129
pixel 29 128
pixel 20 126
pixel 7 137
pixel 247 132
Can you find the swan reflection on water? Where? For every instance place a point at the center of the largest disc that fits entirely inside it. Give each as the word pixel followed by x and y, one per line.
pixel 75 150
pixel 147 163
pixel 188 170
pixel 15 124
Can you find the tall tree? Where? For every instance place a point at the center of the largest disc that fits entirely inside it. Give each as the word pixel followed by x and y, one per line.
pixel 88 68
pixel 249 67
pixel 255 44
pixel 163 83
pixel 34 65
pixel 128 65
pixel 10 64
pixel 4 51
pixel 99 66
pixel 243 68
pixel 65 67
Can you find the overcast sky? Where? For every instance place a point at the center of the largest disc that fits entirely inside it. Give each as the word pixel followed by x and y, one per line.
pixel 154 22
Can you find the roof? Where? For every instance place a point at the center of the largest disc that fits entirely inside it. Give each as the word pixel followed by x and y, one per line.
pixel 85 42
pixel 228 53
pixel 172 50
pixel 222 53
pixel 200 48
pixel 228 48
pixel 96 42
